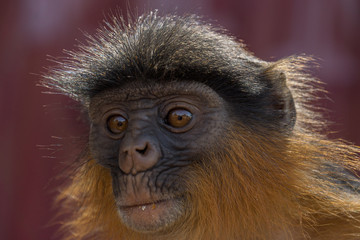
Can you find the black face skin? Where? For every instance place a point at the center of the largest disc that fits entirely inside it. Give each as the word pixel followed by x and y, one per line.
pixel 148 135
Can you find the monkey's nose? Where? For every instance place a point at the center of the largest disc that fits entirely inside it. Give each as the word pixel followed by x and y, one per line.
pixel 143 150
pixel 138 157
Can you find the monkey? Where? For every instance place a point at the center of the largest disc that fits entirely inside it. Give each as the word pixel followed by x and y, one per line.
pixel 193 137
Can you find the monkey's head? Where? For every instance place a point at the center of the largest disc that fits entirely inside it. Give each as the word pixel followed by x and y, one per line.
pixel 163 96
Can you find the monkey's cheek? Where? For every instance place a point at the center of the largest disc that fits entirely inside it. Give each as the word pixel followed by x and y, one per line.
pixel 151 217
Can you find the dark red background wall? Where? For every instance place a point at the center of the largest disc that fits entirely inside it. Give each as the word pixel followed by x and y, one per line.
pixel 35 139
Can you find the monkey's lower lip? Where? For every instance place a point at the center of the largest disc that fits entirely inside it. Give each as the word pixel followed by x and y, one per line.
pixel 147 210
pixel 149 216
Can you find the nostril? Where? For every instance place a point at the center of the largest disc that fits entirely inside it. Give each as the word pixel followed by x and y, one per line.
pixel 142 151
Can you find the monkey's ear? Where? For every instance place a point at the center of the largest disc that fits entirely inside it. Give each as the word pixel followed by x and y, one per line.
pixel 281 104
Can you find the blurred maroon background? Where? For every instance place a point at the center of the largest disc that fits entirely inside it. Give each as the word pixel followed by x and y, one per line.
pixel 32 29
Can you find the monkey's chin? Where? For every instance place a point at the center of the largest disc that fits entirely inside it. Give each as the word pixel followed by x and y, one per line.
pixel 152 217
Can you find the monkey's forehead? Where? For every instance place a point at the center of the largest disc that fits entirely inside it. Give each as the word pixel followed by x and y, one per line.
pixel 140 90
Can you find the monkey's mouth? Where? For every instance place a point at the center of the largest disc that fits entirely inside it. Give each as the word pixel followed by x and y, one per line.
pixel 151 216
pixel 143 206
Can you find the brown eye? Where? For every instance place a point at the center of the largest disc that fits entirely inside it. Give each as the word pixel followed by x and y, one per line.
pixel 178 118
pixel 117 124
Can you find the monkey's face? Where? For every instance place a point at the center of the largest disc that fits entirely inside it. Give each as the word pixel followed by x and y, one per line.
pixel 150 135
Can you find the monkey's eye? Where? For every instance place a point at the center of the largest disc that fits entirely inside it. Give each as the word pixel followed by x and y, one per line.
pixel 117 124
pixel 178 117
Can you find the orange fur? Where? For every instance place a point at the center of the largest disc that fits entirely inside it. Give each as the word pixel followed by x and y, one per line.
pixel 261 185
